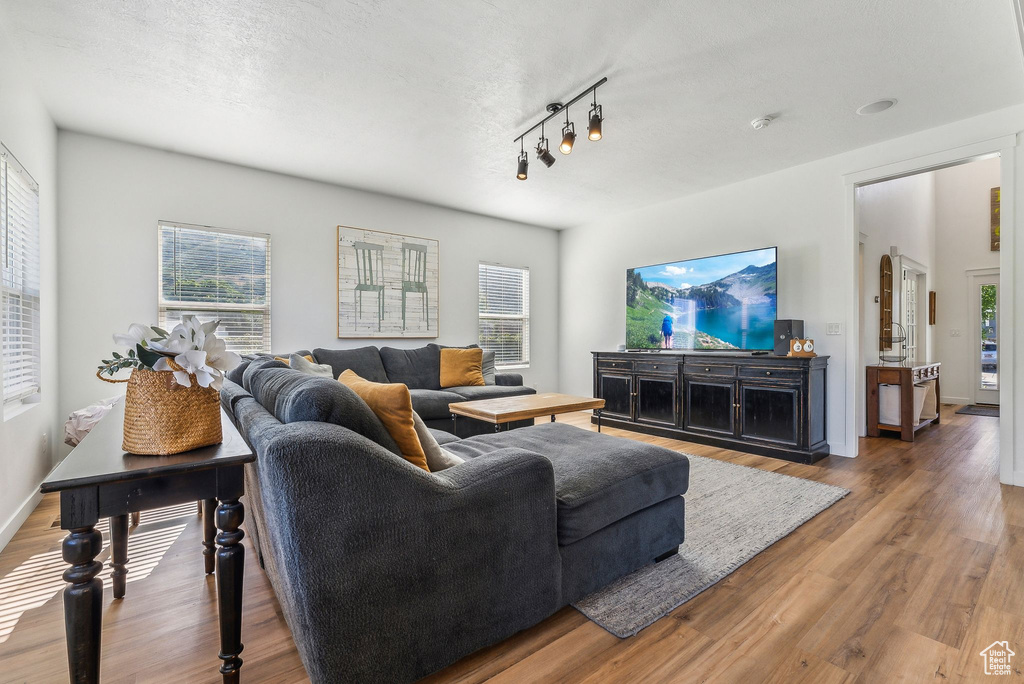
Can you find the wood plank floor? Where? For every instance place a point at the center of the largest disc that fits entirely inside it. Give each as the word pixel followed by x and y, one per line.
pixel 905 580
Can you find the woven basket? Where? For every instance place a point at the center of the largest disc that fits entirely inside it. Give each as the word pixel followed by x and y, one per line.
pixel 162 418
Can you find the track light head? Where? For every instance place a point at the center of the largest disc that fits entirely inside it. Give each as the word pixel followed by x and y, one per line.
pixel 524 163
pixel 596 117
pixel 568 138
pixel 544 154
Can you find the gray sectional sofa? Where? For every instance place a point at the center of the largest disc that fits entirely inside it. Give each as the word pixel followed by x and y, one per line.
pixel 387 573
pixel 420 370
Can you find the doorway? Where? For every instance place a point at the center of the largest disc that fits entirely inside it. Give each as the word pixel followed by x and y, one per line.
pixel 983 295
pixel 944 337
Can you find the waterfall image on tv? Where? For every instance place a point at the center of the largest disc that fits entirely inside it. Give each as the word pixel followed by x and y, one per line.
pixel 719 302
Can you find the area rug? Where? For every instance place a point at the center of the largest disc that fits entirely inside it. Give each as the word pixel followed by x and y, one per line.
pixel 732 514
pixel 976 410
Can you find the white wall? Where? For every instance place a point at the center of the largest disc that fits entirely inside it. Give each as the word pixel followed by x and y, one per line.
pixel 802 209
pixel 962 242
pixel 113 194
pixel 27 439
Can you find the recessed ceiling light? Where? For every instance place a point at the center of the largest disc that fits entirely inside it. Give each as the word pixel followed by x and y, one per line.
pixel 876 107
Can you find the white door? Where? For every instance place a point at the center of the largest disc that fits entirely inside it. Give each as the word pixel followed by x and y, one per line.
pixel 985 327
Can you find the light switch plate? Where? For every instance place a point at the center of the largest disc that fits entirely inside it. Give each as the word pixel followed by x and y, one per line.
pixel 834 329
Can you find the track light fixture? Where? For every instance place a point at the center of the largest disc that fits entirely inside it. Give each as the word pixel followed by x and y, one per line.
pixel 568 135
pixel 595 119
pixel 543 153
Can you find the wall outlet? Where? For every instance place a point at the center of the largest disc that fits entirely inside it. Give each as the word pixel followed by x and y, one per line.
pixel 954 332
pixel 834 329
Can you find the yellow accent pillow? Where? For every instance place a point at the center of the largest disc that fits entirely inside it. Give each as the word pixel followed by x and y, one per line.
pixel 462 367
pixel 393 405
pixel 286 361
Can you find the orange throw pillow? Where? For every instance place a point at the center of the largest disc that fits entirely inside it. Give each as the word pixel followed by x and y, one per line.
pixel 462 367
pixel 393 405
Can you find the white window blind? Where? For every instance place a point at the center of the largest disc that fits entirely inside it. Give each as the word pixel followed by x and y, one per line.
pixel 19 282
pixel 504 316
pixel 217 274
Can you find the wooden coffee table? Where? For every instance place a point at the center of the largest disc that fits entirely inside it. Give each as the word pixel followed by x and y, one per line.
pixel 504 410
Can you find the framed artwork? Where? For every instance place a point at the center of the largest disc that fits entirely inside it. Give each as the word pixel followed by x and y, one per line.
pixel 387 284
pixel 995 219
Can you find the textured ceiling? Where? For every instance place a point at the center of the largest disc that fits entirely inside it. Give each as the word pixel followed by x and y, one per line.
pixel 423 99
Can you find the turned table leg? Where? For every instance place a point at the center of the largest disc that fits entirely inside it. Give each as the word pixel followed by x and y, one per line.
pixel 209 533
pixel 118 553
pixel 83 598
pixel 230 571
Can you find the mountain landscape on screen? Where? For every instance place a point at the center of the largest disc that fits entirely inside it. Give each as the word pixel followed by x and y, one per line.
pixel 723 302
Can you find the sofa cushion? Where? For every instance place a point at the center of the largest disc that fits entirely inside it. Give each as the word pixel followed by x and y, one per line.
pixel 418 368
pixel 433 404
pixel 292 397
pixel 393 405
pixel 364 361
pixel 472 393
pixel 461 367
pixel 259 363
pixel 443 437
pixel 599 479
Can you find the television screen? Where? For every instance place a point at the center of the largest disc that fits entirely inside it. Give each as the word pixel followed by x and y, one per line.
pixel 719 302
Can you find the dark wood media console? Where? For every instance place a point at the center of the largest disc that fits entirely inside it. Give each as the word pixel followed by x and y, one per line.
pixel 769 405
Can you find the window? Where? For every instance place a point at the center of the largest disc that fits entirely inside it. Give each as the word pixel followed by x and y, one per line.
pixel 19 283
pixel 504 323
pixel 217 274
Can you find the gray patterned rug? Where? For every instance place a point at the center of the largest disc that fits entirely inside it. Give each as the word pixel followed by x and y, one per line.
pixel 732 514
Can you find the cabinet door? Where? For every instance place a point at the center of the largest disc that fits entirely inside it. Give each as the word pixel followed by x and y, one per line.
pixel 617 392
pixel 656 400
pixel 710 406
pixel 770 413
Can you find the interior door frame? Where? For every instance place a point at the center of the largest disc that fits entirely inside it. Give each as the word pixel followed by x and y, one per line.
pixel 973 314
pixel 1003 147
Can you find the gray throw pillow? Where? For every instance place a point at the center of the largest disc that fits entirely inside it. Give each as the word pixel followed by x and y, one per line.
pixel 488 367
pixel 438 458
pixel 303 365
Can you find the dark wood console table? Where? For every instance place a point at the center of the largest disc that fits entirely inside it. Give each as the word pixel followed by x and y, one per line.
pixel 906 377
pixel 99 480
pixel 769 405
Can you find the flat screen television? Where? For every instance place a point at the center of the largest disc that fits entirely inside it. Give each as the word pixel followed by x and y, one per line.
pixel 718 302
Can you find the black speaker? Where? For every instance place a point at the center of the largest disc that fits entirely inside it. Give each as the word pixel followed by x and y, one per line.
pixel 785 330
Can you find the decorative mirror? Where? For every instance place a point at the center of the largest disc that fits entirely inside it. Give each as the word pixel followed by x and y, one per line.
pixel 885 304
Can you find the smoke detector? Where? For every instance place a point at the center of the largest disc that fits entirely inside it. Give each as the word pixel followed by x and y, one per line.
pixel 761 122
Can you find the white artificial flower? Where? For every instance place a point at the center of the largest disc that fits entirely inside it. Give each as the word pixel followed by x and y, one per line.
pixel 186 336
pixel 191 362
pixel 137 334
pixel 217 355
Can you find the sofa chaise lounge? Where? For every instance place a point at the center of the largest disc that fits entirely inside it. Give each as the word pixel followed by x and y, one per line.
pixel 386 572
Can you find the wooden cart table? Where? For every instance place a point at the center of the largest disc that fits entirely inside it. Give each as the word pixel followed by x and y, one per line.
pixel 99 480
pixel 906 377
pixel 504 410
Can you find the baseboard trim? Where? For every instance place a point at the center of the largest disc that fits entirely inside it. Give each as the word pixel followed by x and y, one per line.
pixel 15 522
pixel 1018 478
pixel 956 400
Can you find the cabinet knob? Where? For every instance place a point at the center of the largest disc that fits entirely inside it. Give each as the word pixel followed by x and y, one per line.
pixel 707 370
pixel 767 372
pixel 655 366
